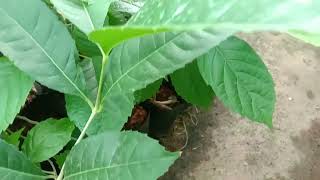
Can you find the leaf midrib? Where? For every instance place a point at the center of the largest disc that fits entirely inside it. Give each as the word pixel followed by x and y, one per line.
pixel 88 16
pixel 116 166
pixel 22 173
pixel 43 50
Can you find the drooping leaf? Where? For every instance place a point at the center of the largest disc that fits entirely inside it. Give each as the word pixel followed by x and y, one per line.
pixel 186 15
pixel 312 38
pixel 39 44
pixel 13 138
pixel 126 156
pixel 16 166
pixel 86 16
pixel 147 92
pixel 61 158
pixel 84 45
pixel 14 89
pixel 189 84
pixel 47 138
pixel 240 79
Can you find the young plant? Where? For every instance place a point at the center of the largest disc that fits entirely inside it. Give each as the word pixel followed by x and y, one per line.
pixel 74 47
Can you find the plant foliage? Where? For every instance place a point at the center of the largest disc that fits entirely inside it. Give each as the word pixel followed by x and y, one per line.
pixel 105 56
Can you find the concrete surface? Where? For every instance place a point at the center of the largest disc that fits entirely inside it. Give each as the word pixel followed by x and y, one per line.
pixel 224 146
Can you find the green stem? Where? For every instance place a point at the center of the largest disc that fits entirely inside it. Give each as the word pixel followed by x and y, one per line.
pixel 96 109
pixel 27 120
pixel 101 78
pixel 83 133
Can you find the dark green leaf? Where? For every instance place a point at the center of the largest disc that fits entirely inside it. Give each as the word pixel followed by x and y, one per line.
pixel 47 138
pixel 39 44
pixel 15 86
pixel 16 166
pixel 13 138
pixel 147 92
pixel 61 158
pixel 118 155
pixel 84 45
pixel 189 84
pixel 240 79
pixel 90 78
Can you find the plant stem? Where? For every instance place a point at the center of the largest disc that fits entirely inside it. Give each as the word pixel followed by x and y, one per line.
pixel 53 168
pixel 101 78
pixel 49 173
pixel 96 109
pixel 83 133
pixel 27 120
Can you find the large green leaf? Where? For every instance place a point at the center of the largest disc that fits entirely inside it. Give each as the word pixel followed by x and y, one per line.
pixel 118 155
pixel 240 79
pixel 189 84
pixel 86 16
pixel 222 15
pixel 39 44
pixel 138 62
pixel 15 86
pixel 16 166
pixel 135 64
pixel 47 138
pixel 312 38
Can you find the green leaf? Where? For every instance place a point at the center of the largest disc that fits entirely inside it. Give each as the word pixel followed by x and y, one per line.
pixel 47 138
pixel 234 15
pixel 112 36
pixel 112 117
pixel 86 16
pixel 61 158
pixel 154 55
pixel 312 38
pixel 126 6
pixel 16 166
pixel 79 111
pixel 126 156
pixel 147 92
pixel 189 84
pixel 84 45
pixel 240 79
pixel 15 86
pixel 90 78
pixel 39 44
pixel 13 138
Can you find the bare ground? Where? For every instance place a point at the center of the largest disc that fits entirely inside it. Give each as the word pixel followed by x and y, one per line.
pixel 224 146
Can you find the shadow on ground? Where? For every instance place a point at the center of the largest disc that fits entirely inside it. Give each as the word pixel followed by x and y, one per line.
pixel 308 143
